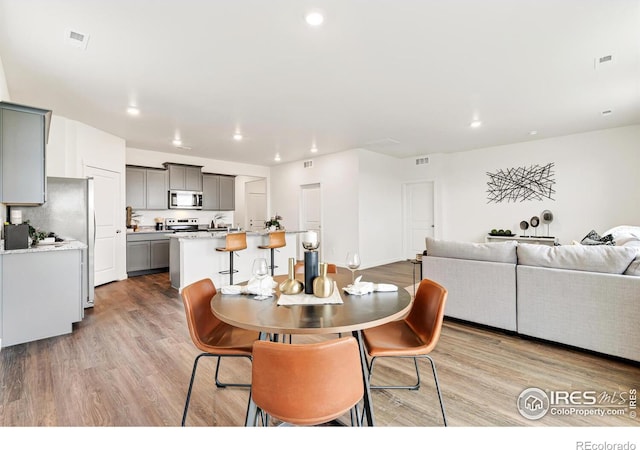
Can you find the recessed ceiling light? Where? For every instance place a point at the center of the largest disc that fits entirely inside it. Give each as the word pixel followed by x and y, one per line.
pixel 177 142
pixel 133 111
pixel 475 124
pixel 314 149
pixel 533 133
pixel 277 158
pixel 237 137
pixel 314 19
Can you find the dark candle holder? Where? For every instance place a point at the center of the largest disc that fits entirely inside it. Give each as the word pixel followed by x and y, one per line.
pixel 310 270
pixel 310 244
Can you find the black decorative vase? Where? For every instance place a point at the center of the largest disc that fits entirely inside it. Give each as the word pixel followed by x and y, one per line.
pixel 310 270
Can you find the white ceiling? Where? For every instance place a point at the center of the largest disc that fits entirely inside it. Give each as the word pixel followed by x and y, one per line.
pixel 402 77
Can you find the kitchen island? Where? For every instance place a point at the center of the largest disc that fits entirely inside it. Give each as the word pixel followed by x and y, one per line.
pixel 193 256
pixel 40 291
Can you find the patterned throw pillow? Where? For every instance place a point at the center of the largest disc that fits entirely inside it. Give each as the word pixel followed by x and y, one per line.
pixel 593 238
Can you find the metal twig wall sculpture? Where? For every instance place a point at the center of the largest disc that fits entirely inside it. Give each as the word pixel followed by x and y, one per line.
pixel 521 183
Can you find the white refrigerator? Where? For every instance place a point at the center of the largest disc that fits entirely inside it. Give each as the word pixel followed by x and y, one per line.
pixel 69 212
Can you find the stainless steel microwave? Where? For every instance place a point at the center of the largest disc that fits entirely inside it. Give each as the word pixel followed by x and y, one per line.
pixel 185 200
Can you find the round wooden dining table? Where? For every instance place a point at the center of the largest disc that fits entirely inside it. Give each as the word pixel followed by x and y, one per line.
pixel 356 313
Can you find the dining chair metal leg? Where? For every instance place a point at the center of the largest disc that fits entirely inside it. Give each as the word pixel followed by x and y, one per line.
pixel 417 385
pixel 410 387
pixel 224 385
pixel 367 402
pixel 435 377
pixel 193 376
pixel 218 383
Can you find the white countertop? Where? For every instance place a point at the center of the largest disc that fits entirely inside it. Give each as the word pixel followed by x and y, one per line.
pixel 219 234
pixel 58 246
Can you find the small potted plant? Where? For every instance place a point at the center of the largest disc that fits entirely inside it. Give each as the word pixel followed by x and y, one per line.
pixel 35 234
pixel 273 223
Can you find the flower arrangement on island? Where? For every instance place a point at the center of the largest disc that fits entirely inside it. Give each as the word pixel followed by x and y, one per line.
pixel 274 223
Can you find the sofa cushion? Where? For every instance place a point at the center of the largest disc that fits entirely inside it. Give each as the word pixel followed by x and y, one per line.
pixel 634 268
pixel 590 258
pixel 504 252
pixel 624 234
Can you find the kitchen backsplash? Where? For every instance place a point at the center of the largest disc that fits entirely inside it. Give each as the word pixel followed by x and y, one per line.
pixel 147 217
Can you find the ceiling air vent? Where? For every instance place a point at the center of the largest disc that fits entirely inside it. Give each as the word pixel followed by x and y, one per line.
pixel 421 161
pixel 308 164
pixel 77 39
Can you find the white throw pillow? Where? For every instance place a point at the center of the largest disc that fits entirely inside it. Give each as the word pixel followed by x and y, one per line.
pixel 492 251
pixel 589 258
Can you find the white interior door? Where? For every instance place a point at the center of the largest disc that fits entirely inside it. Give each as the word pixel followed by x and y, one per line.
pixel 255 204
pixel 106 190
pixel 310 210
pixel 418 216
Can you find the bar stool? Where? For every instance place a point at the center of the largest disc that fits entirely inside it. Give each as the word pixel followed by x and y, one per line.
pixel 234 242
pixel 276 240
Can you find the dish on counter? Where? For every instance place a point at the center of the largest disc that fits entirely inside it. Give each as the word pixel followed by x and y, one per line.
pixel 502 234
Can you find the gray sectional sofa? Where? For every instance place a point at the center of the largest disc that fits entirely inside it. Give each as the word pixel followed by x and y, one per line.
pixel 578 295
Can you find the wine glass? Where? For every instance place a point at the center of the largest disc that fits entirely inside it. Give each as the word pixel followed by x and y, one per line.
pixel 353 262
pixel 260 271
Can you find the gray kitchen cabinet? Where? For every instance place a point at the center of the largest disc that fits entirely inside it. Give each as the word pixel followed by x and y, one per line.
pixel 218 192
pixel 227 193
pixel 159 251
pixel 184 177
pixel 23 136
pixel 146 188
pixel 147 253
pixel 138 256
pixel 136 187
pixel 157 192
pixel 210 192
pixel 41 295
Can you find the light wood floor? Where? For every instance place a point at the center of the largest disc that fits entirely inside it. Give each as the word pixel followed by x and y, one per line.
pixel 129 361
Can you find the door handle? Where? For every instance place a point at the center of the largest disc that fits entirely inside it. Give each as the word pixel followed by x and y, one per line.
pixel 118 231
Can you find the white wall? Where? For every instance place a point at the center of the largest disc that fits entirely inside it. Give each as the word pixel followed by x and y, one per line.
pixel 337 175
pixel 379 208
pixel 4 90
pixel 597 185
pixel 72 146
pixel 361 207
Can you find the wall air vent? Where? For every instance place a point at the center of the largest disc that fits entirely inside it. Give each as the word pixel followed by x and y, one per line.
pixel 421 161
pixel 308 164
pixel 603 61
pixel 77 39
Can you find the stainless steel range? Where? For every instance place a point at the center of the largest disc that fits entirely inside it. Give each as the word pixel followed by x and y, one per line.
pixel 181 225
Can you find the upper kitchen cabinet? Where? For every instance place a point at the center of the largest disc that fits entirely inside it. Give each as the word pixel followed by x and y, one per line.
pixel 184 177
pixel 218 192
pixel 157 191
pixel 227 193
pixel 23 136
pixel 146 188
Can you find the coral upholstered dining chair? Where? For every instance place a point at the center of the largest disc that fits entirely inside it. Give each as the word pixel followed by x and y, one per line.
pixel 307 384
pixel 210 335
pixel 415 336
